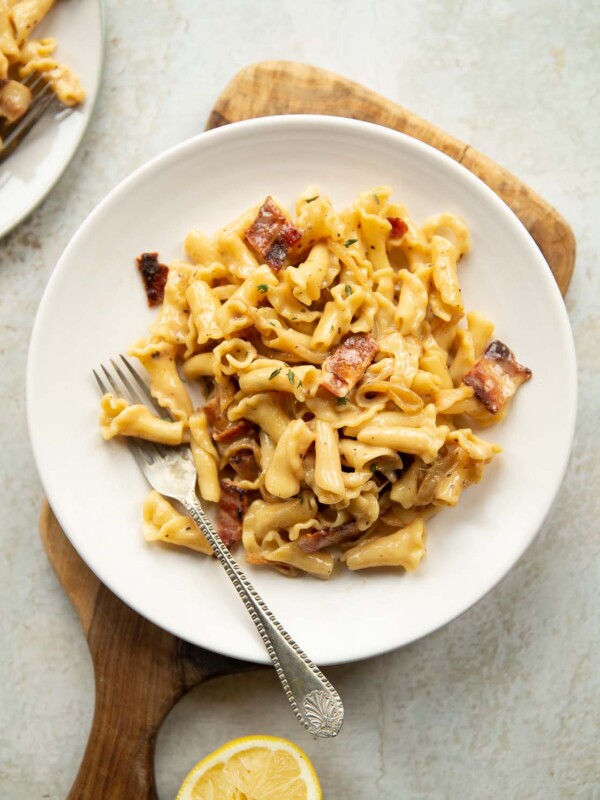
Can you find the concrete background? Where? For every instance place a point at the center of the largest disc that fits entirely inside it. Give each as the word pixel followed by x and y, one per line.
pixel 504 702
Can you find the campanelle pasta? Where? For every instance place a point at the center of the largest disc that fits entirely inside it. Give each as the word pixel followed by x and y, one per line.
pixel 342 382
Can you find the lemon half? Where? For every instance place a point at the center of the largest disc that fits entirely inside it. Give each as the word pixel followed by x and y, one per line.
pixel 253 768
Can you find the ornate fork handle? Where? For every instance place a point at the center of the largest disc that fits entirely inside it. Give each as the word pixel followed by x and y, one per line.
pixel 315 702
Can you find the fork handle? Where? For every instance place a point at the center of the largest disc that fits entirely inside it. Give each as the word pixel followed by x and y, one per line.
pixel 315 702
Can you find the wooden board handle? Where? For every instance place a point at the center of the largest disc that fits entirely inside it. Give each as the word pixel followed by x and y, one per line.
pixel 140 672
pixel 282 87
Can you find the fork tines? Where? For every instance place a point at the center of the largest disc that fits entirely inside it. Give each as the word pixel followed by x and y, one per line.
pixel 135 391
pixel 42 98
pixel 122 380
pixel 138 393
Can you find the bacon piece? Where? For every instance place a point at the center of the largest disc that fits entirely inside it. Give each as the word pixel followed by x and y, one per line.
pixel 236 441
pixel 496 376
pixel 232 507
pixel 234 430
pixel 399 227
pixel 154 276
pixel 217 419
pixel 228 529
pixel 347 364
pixel 312 541
pixel 272 234
pixel 244 464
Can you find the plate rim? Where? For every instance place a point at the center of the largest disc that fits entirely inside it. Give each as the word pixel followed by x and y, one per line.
pixel 39 199
pixel 178 151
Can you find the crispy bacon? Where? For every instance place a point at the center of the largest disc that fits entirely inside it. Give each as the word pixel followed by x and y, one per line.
pixel 399 227
pixel 496 376
pixel 235 430
pixel 154 276
pixel 217 419
pixel 311 541
pixel 232 507
pixel 347 364
pixel 236 441
pixel 272 234
pixel 228 529
pixel 244 464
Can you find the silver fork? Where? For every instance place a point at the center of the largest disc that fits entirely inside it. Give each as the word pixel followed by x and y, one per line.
pixel 171 472
pixel 42 98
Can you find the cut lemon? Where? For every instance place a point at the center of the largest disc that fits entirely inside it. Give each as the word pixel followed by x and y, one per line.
pixel 253 768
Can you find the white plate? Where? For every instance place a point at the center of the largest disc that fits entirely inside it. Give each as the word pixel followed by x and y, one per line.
pixel 94 306
pixel 34 168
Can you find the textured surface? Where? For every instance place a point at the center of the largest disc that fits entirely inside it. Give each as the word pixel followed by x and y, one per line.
pixel 505 701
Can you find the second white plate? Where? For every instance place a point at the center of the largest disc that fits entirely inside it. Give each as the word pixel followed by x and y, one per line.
pixel 28 175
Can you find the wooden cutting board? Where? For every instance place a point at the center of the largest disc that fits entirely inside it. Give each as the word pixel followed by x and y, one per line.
pixel 140 670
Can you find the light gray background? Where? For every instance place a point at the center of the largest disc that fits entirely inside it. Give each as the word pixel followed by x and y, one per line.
pixel 502 703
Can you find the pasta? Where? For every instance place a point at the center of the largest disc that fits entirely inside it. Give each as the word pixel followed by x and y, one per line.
pixel 342 381
pixel 21 57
